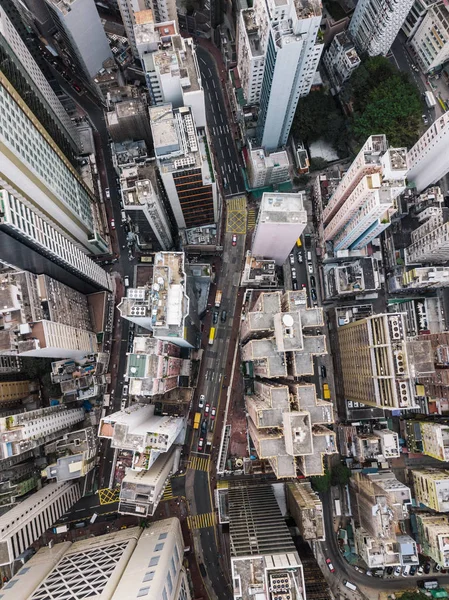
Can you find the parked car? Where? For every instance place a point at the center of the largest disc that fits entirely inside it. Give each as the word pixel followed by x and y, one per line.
pixel 213 413
pixel 207 409
pixel 397 571
pixel 112 224
pixel 200 444
pixel 310 268
pixel 215 317
pixel 293 273
pixel 224 314
pixel 108 193
pixel 323 371
pixel 292 258
pixel 390 570
pixel 425 119
pixel 437 568
pixel 313 293
pixel 330 566
pixel 299 256
pixel 201 401
pixel 126 281
pixel 427 568
pixel 359 569
pixel 413 570
pixel 420 570
pixel 295 284
pixel 312 281
pixel 234 240
pixel 406 571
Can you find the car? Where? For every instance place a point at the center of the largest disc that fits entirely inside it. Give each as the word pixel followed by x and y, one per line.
pixel 295 284
pixel 390 570
pixel 224 315
pixel 76 87
pixel 200 444
pixel 425 119
pixel 207 409
pixel 201 401
pixel 437 568
pixel 125 390
pixel 204 427
pixel 369 573
pixel 313 293
pixel 234 240
pixel 293 273
pixel 310 269
pixel 299 257
pixel 312 281
pixel 108 193
pixel 330 566
pixel 427 568
pixel 123 404
pixel 379 573
pixel 303 285
pixel 406 571
pixel 359 569
pixel 323 371
pixel 420 570
pixel 112 224
pixel 213 413
pixel 413 570
pixel 292 258
pixel 397 571
pixel 215 317
pixel 126 281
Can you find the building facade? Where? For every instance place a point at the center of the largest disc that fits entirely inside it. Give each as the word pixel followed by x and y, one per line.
pixel 341 60
pixel 267 169
pixel 432 488
pixel 306 509
pixel 430 241
pixel 431 39
pixel 433 532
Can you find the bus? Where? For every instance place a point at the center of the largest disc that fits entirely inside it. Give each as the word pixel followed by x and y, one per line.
pixel 326 391
pixel 196 420
pixel 211 336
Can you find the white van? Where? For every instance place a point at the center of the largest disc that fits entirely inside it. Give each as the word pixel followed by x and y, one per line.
pixel 309 256
pixel 350 585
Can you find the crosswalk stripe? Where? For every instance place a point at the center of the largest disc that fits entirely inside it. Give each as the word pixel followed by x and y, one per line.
pixel 201 521
pixel 199 463
pixel 168 492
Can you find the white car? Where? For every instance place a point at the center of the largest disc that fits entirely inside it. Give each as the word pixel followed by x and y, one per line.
pixel 397 571
pixel 126 281
pixel 310 268
pixel 293 273
pixel 292 259
pixel 406 571
pixel 108 193
pixel 201 401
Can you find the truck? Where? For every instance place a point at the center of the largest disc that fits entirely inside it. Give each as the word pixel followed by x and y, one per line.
pixel 218 296
pixel 326 391
pixel 211 336
pixel 337 508
pixel 430 99
pixel 60 529
pixel 196 420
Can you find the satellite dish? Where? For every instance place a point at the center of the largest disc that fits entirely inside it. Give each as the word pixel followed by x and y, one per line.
pixel 287 320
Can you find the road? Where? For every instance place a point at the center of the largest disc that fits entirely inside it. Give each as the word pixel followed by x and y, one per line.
pixel 223 146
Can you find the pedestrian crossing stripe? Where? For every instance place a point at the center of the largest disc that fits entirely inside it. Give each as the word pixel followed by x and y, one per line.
pixel 251 218
pixel 199 463
pixel 237 203
pixel 108 496
pixel 168 492
pixel 201 521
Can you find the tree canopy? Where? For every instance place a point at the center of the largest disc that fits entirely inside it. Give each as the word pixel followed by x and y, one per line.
pixel 321 483
pixel 415 595
pixel 384 101
pixel 340 475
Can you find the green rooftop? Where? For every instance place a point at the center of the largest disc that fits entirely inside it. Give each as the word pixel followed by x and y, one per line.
pixel 136 365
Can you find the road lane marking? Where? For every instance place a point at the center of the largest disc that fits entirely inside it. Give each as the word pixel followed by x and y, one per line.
pixel 201 521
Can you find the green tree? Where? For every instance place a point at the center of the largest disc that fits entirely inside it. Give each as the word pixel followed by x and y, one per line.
pixel 412 596
pixel 321 483
pixel 318 163
pixel 340 475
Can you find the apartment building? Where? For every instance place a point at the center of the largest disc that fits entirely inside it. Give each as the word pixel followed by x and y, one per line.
pixel 168 308
pixel 432 488
pixel 381 445
pixel 436 384
pixel 426 158
pixel 75 453
pixel 21 432
pixel 431 39
pixel 281 220
pixel 366 210
pixel 375 363
pixel 17 482
pixel 259 272
pixel 154 367
pixel 435 439
pixel 12 391
pixel 375 25
pixel 138 430
pixel 430 241
pixel 415 17
pixel 425 278
pixel 132 12
pixel 267 169
pixel 264 560
pixel 433 534
pixel 144 207
pixel 141 491
pixel 121 564
pixel 128 119
pixel 26 522
pixel 183 159
pixel 79 25
pixel 306 508
pixel 341 60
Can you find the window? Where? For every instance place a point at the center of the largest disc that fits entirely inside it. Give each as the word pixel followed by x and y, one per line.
pixel 169 583
pixel 159 547
pixel 148 576
pixel 143 592
pixel 162 536
pixel 164 594
pixel 154 561
pixel 177 554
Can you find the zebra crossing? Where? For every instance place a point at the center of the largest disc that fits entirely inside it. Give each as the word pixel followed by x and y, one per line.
pixel 168 492
pixel 201 521
pixel 251 218
pixel 199 463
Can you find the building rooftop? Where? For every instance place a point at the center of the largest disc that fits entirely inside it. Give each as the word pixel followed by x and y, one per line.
pixel 252 31
pixel 259 271
pixel 282 208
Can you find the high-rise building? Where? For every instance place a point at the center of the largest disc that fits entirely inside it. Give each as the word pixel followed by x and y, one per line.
pixel 306 509
pixel 433 534
pixel 267 169
pixel 128 11
pixel 430 241
pixel 279 49
pixel 341 60
pixel 26 522
pixel 264 560
pixel 17 482
pixel 281 220
pixel 431 39
pixel 415 17
pixel 169 307
pixel 144 207
pixel 75 453
pixel 435 439
pixel 426 158
pixel 375 362
pixel 79 25
pixel 432 488
pixel 43 317
pixel 132 563
pixel 23 431
pixel 128 119
pixel 11 391
pixel 375 25
pixel 185 167
pixel 366 201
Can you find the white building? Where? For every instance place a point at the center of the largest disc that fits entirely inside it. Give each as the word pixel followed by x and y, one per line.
pixel 278 50
pixel 26 522
pixel 340 60
pixel 123 565
pixel 138 430
pixel 430 241
pixel 427 158
pixel 281 220
pixel 267 169
pixel 79 24
pixel 182 151
pixel 375 24
pixel 128 11
pixel 23 431
pixel 431 39
pixel 415 17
